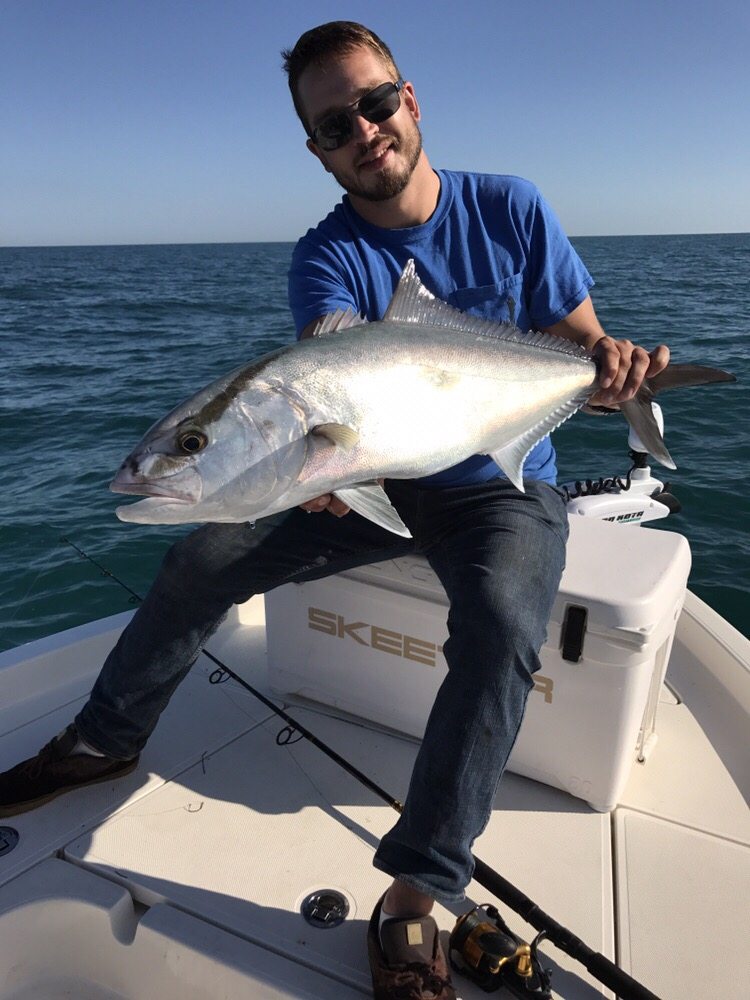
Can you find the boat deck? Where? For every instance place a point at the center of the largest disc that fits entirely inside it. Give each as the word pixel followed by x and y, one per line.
pixel 185 878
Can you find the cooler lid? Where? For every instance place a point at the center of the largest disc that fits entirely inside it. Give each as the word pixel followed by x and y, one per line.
pixel 627 577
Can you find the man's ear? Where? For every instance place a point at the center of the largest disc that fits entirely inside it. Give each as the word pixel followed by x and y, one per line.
pixel 317 153
pixel 410 100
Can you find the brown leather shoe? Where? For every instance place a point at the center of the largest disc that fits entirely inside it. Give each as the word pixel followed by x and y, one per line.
pixel 410 963
pixel 55 770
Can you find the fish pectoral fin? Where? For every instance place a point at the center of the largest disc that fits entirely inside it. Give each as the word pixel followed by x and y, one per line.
pixel 339 434
pixel 371 501
pixel 510 458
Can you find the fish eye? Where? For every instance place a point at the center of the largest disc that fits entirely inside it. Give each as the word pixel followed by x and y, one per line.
pixel 192 441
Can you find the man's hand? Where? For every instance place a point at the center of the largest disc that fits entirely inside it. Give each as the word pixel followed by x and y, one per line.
pixel 326 502
pixel 329 502
pixel 623 367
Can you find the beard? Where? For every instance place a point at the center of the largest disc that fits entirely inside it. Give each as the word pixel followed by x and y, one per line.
pixel 390 182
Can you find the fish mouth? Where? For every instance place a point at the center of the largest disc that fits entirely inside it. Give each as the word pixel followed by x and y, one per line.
pixel 155 510
pixel 184 487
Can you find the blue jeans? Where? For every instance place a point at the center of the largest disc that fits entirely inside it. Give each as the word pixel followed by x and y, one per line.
pixel 499 554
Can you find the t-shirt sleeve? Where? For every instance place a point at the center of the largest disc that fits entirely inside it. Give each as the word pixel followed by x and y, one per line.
pixel 317 284
pixel 558 280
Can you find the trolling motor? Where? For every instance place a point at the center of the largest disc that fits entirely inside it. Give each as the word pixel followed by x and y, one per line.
pixel 484 949
pixel 636 498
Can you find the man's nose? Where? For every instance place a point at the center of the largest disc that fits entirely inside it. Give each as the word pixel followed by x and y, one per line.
pixel 362 130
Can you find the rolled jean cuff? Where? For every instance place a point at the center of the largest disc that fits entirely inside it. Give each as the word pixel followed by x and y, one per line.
pixel 414 870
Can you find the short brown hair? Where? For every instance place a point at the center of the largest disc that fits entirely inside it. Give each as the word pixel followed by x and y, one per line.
pixel 335 38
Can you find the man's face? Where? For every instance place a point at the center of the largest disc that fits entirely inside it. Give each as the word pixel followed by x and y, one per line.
pixel 378 161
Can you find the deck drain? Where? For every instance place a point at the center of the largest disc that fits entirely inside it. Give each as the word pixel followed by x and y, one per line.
pixel 325 908
pixel 8 839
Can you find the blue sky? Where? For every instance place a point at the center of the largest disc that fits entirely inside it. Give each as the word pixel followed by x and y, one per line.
pixel 159 121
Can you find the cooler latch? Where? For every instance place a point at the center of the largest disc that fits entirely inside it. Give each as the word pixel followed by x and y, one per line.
pixel 573 631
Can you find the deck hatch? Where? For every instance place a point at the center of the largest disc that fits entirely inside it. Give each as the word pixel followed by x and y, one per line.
pixel 8 839
pixel 325 908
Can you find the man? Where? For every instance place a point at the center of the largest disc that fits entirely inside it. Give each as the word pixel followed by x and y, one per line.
pixel 491 246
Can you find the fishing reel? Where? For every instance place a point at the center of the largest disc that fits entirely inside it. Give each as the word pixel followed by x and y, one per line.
pixel 484 949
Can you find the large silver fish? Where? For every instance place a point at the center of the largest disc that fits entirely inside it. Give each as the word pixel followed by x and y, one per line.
pixel 409 396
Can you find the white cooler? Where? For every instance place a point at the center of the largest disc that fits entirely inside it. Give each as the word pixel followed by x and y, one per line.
pixel 369 642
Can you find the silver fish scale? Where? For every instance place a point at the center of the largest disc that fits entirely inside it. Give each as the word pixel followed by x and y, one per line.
pixel 448 396
pixel 409 396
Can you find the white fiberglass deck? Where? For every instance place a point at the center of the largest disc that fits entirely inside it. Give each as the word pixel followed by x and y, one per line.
pixel 184 879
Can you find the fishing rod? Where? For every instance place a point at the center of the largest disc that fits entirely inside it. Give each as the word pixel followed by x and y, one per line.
pixel 224 671
pixel 601 967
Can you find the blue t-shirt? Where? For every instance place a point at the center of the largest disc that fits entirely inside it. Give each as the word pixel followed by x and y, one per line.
pixel 493 247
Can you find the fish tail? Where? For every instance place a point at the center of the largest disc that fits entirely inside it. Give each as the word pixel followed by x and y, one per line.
pixel 681 376
pixel 638 411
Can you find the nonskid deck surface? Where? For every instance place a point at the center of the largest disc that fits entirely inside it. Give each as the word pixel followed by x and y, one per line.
pixel 221 832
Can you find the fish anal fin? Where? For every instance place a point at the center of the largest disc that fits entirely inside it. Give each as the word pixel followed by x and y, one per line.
pixel 511 455
pixel 510 458
pixel 371 501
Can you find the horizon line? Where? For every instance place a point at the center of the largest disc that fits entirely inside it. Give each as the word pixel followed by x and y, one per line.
pixel 207 243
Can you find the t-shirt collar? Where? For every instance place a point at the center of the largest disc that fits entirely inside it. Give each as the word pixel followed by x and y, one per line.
pixel 408 234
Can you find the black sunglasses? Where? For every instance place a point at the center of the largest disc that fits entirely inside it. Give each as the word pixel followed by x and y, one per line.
pixel 376 106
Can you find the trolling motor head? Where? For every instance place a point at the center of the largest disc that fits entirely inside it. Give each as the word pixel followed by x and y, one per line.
pixel 634 498
pixel 485 950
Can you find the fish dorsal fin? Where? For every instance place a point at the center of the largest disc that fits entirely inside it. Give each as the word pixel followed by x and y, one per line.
pixel 413 303
pixel 371 501
pixel 342 319
pixel 510 457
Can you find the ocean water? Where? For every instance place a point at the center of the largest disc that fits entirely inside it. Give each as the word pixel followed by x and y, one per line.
pixel 98 342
